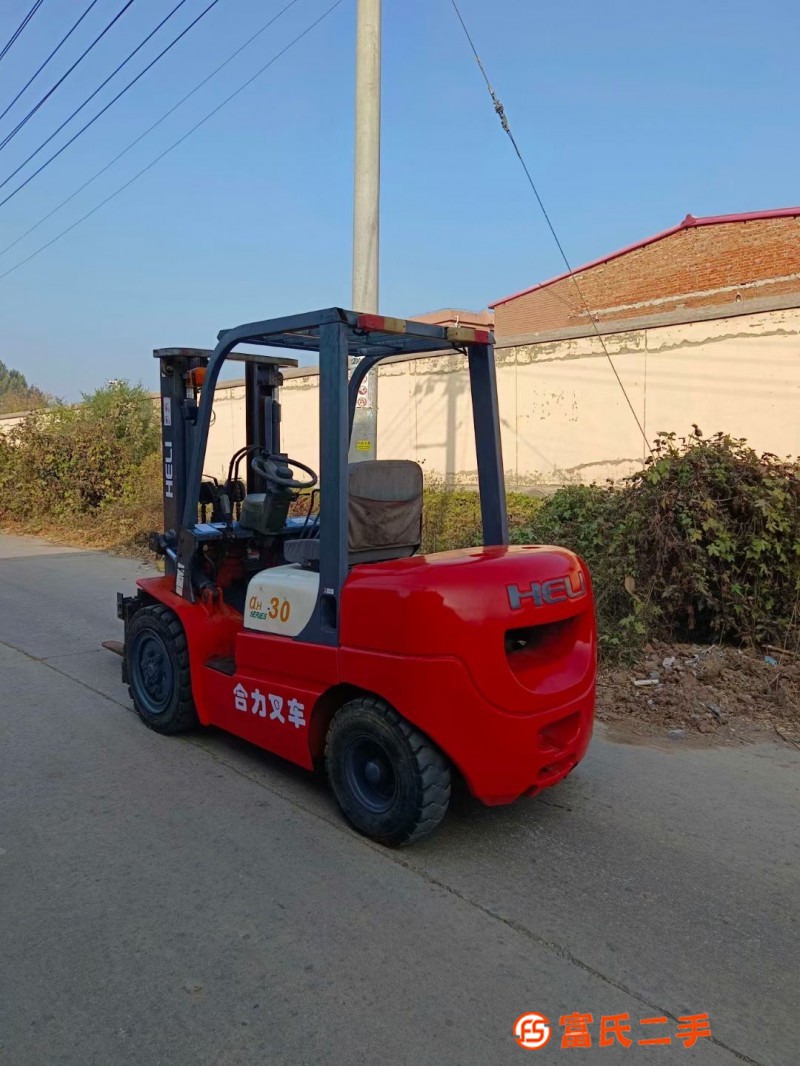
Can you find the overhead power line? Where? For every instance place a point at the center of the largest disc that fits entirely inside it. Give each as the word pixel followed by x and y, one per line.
pixel 21 27
pixel 103 84
pixel 180 140
pixel 253 37
pixel 39 69
pixel 102 111
pixel 501 114
pixel 64 77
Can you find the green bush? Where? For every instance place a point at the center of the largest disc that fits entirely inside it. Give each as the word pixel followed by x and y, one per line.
pixel 702 544
pixel 591 521
pixel 70 462
pixel 451 518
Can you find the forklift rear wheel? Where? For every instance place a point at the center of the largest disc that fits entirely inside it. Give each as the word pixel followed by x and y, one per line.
pixel 158 669
pixel 390 781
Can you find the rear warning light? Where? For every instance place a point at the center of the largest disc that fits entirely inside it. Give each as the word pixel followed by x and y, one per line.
pixel 468 335
pixel 382 324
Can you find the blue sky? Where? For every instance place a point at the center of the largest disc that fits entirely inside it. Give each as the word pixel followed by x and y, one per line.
pixel 630 115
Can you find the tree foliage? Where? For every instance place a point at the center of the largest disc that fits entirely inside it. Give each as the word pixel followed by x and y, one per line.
pixel 15 392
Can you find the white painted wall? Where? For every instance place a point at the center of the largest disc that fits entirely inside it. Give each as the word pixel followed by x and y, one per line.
pixel 740 375
pixel 563 414
pixel 7 422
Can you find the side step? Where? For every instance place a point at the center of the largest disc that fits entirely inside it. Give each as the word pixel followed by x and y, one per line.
pixel 222 665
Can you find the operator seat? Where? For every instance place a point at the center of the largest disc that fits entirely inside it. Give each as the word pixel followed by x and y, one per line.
pixel 384 514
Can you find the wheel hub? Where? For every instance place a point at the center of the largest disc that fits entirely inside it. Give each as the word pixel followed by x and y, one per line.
pixel 152 672
pixel 370 774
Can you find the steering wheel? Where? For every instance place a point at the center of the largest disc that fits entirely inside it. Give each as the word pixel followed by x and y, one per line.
pixel 274 468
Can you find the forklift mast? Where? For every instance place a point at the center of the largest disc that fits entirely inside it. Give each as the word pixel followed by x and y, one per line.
pixel 182 374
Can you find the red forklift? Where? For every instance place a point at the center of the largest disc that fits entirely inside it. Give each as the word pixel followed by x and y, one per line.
pixel 324 636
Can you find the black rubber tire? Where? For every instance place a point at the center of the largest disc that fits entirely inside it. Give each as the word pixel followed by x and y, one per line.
pixel 420 787
pixel 158 629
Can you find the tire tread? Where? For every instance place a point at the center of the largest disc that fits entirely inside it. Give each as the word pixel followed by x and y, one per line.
pixel 184 717
pixel 430 766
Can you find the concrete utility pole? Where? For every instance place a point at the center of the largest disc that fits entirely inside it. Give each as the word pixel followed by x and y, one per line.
pixel 366 208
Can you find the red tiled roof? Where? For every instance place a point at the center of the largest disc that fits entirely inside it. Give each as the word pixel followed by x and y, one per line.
pixel 688 223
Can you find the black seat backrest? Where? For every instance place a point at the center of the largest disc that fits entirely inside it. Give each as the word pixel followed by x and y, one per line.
pixel 384 513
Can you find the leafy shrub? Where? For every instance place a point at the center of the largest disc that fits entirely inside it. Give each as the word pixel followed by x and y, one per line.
pixel 451 518
pixel 717 537
pixel 591 521
pixel 703 543
pixel 70 462
pixel 125 521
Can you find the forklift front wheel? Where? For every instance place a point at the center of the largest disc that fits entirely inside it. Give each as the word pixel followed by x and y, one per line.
pixel 158 670
pixel 390 781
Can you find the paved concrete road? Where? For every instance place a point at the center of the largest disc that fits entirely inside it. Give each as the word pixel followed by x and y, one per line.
pixel 197 901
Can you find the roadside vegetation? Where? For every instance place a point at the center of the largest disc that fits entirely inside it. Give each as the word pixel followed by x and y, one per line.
pixel 451 517
pixel 16 394
pixel 701 546
pixel 87 473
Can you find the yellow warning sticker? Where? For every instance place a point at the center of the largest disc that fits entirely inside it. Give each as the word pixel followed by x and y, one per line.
pixel 363 446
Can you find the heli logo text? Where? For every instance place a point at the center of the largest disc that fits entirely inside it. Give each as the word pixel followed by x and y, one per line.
pixel 541 593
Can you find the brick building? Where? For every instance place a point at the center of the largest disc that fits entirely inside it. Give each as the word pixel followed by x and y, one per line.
pixel 744 260
pixel 702 323
pixel 453 316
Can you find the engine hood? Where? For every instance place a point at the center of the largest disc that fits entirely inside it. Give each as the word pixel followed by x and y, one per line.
pixel 521 618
